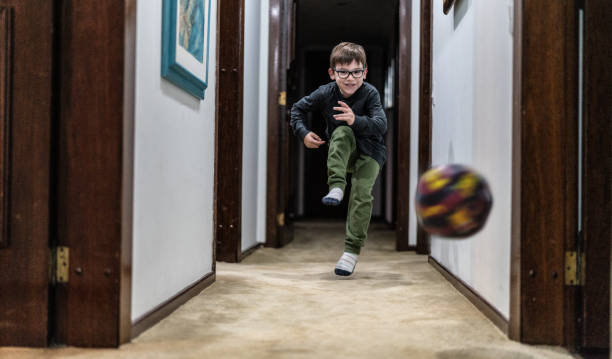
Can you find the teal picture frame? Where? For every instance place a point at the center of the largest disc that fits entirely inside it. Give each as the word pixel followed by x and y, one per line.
pixel 186 67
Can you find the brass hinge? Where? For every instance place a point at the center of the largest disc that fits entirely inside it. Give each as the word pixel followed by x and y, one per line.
pixel 574 268
pixel 280 219
pixel 282 98
pixel 60 265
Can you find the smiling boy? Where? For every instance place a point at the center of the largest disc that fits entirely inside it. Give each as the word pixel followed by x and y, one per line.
pixel 356 124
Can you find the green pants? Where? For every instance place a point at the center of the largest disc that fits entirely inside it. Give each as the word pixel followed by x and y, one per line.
pixel 343 158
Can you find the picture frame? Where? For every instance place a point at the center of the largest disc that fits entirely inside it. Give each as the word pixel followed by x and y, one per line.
pixel 185 44
pixel 446 6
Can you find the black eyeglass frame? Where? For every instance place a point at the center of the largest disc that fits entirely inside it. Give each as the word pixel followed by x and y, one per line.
pixel 350 73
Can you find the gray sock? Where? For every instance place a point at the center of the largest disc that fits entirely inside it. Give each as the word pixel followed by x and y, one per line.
pixel 346 264
pixel 334 197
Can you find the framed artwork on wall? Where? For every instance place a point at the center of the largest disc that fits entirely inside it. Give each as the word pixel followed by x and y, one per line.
pixel 185 44
pixel 447 4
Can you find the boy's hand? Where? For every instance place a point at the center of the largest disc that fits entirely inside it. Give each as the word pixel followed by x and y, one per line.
pixel 311 140
pixel 347 114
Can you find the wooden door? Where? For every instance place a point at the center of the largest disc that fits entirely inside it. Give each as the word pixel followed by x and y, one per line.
pixel 26 104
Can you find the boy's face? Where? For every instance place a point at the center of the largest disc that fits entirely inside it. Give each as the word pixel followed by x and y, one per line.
pixel 352 82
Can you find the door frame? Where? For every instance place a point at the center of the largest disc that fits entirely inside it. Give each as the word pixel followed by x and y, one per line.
pixel 229 132
pixel 94 199
pixel 277 56
pixel 404 123
pixel 425 110
pixel 594 334
pixel 545 90
pixel 279 230
pixel 274 91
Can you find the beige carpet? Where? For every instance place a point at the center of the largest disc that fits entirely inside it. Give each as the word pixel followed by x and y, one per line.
pixel 288 304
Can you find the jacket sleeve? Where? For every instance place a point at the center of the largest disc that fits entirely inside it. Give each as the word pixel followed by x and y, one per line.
pixel 375 121
pixel 299 110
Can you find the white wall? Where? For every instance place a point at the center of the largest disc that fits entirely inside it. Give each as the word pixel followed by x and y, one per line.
pixel 173 172
pixel 254 122
pixel 263 122
pixel 414 118
pixel 472 124
pixel 249 119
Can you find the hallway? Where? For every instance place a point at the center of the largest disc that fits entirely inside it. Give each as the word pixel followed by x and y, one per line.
pixel 281 303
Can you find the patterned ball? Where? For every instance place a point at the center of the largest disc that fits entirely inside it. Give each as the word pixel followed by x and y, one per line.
pixel 452 201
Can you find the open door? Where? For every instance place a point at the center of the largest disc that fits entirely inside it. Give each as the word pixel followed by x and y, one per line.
pixel 279 229
pixel 26 104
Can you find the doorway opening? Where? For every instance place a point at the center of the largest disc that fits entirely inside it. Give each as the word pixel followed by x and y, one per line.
pixel 320 25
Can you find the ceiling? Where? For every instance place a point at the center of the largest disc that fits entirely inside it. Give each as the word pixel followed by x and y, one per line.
pixel 327 22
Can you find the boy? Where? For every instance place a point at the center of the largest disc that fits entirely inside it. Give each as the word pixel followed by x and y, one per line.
pixel 356 124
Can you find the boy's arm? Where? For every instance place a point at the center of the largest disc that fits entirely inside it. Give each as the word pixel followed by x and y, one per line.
pixel 300 109
pixel 376 120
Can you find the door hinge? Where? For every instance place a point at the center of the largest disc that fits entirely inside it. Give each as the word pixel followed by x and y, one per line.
pixel 574 268
pixel 280 219
pixel 60 265
pixel 282 98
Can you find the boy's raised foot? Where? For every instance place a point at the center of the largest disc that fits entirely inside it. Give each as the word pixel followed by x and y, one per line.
pixel 346 264
pixel 334 197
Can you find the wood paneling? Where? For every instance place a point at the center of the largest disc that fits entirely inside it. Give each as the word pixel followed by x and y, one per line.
pixel 546 161
pixel 91 217
pixel 228 174
pixel 597 190
pixel 425 119
pixel 26 52
pixel 403 124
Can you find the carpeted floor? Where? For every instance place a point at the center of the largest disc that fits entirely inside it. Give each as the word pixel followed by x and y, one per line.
pixel 287 303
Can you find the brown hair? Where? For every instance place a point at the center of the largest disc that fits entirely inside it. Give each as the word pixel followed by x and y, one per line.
pixel 345 53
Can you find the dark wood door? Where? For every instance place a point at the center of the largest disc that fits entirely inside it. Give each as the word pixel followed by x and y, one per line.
pixel 26 45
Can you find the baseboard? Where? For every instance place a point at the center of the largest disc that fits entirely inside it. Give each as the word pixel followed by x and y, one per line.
pixel 479 302
pixel 405 248
pixel 249 251
pixel 158 313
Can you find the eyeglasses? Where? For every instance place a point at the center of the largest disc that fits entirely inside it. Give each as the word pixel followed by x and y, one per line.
pixel 343 74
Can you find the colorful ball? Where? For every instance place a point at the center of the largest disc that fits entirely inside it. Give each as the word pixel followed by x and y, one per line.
pixel 452 201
